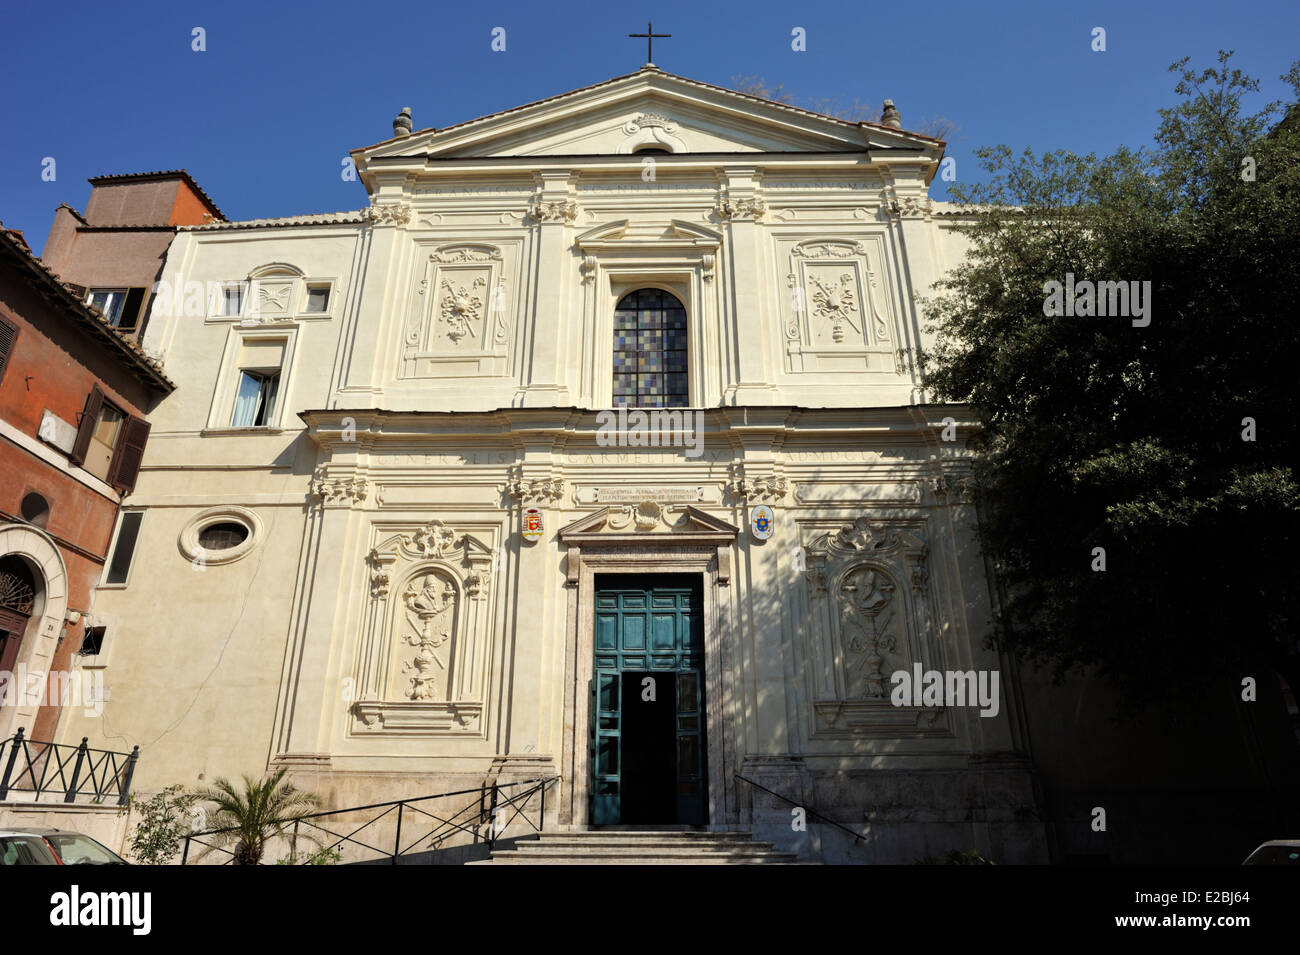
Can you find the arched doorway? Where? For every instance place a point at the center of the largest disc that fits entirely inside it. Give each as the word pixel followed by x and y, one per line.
pixel 17 597
pixel 36 583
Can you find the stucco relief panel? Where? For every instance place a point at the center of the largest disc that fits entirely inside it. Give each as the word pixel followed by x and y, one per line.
pixel 461 312
pixel 837 311
pixel 422 661
pixel 869 612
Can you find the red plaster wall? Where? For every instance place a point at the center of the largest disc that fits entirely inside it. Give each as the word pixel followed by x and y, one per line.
pixel 78 516
pixel 55 364
pixel 188 209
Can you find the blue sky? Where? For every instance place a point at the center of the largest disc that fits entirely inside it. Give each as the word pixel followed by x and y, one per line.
pixel 264 117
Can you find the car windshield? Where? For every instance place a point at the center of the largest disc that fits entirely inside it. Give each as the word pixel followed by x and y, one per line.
pixel 1275 855
pixel 76 849
pixel 25 850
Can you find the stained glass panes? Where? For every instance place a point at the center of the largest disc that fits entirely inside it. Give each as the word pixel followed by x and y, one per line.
pixel 650 350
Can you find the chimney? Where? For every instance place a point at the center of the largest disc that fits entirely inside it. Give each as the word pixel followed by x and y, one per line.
pixel 402 124
pixel 890 115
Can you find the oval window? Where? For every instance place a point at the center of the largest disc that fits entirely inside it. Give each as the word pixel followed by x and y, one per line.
pixel 35 509
pixel 222 536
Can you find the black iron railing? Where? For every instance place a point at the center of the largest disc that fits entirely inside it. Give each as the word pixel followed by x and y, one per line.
pixel 484 818
pixel 857 836
pixel 28 765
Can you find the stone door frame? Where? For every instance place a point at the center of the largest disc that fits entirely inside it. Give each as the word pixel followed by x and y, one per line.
pixel 700 545
pixel 41 640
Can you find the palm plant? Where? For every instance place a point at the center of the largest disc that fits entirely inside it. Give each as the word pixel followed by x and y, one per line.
pixel 263 810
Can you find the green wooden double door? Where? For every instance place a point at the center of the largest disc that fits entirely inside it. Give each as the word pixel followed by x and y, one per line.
pixel 647 732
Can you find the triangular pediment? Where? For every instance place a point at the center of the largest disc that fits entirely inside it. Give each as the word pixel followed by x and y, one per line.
pixel 648 109
pixel 683 521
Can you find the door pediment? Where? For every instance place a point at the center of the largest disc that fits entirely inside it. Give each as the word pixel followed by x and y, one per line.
pixel 685 522
pixel 636 525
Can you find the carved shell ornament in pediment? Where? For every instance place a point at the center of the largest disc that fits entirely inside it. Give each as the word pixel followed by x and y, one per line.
pixel 652 130
pixel 650 121
pixel 862 535
pixel 435 539
pixel 646 516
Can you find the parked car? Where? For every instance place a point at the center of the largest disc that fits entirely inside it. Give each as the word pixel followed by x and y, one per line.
pixel 54 847
pixel 20 847
pixel 1277 852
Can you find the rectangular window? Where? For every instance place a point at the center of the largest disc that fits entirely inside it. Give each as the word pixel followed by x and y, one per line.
pixel 258 387
pixel 232 300
pixel 119 562
pixel 8 339
pixel 110 301
pixel 92 644
pixel 110 443
pixel 318 298
pixel 255 401
pixel 103 440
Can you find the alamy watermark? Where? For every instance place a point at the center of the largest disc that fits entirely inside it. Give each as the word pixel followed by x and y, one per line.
pixel 22 687
pixel 656 428
pixel 1101 299
pixel 919 687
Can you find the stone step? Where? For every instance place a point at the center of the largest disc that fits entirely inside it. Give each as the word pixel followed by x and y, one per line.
pixel 653 847
pixel 659 846
pixel 507 859
pixel 641 839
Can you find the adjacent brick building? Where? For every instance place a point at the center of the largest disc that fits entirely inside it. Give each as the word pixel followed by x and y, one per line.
pixel 113 253
pixel 74 392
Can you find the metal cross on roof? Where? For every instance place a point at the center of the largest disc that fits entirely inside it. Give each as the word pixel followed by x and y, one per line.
pixel 649 42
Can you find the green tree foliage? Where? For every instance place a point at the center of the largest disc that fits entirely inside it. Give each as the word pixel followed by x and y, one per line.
pixel 258 812
pixel 1101 434
pixel 163 824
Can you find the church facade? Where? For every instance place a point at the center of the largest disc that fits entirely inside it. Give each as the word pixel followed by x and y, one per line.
pixel 593 448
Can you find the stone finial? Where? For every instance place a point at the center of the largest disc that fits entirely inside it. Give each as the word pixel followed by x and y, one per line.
pixel 890 117
pixel 402 124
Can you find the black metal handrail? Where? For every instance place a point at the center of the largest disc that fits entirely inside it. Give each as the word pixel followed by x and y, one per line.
pixel 488 808
pixel 44 766
pixel 857 836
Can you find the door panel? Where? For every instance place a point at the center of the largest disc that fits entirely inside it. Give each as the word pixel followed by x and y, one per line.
pixel 647 756
pixel 605 751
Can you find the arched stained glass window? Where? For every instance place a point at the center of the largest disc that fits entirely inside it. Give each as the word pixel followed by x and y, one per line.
pixel 650 350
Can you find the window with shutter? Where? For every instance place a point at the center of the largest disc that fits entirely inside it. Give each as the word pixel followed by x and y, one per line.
pixel 128 454
pixel 8 338
pixel 86 428
pixel 131 309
